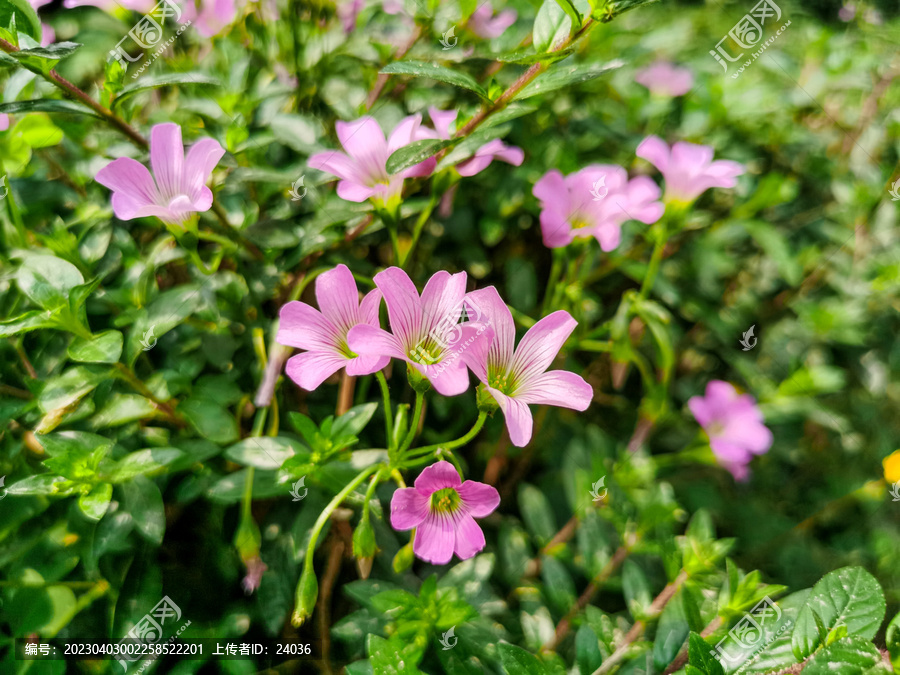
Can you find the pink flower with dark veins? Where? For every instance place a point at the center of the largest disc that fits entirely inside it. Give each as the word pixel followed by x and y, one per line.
pixel 424 330
pixel 665 79
pixel 176 189
pixel 517 376
pixel 362 167
pixel 443 509
pixel 484 24
pixel 323 332
pixel 688 168
pixel 445 120
pixel 734 425
pixel 595 201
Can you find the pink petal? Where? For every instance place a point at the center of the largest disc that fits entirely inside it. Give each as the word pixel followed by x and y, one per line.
pixel 518 418
pixel 408 130
pixel 442 303
pixel 700 409
pixel 560 388
pixel 729 452
pixel 489 307
pixel 475 355
pixel 480 499
pixel 556 229
pixel 655 151
pixel 199 164
pixel 338 298
pixel 131 179
pixel 435 539
pixel 747 431
pixel 409 508
pixel 366 364
pixel 310 369
pixel 335 163
pixel 448 377
pixel 364 141
pixel 469 538
pixel 436 477
pixel 368 308
pixel 167 158
pixel 420 170
pixel 443 120
pixel 551 189
pixel 403 305
pixel 367 340
pixel 608 235
pixel 303 327
pixel 691 157
pixel 540 345
pixel 355 192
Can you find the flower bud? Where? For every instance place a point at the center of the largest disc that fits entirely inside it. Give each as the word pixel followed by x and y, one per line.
pixel 417 380
pixel 305 598
pixel 404 558
pixel 364 547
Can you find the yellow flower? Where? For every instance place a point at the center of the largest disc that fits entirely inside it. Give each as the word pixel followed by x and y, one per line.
pixel 892 467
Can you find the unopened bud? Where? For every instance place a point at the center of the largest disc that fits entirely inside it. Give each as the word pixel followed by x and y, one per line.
pixel 305 599
pixel 404 558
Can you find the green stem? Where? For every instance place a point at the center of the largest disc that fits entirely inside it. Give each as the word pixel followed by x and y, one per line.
pixel 327 511
pixel 462 440
pixel 414 424
pixel 388 414
pixel 658 232
pixel 553 280
pixel 417 231
pixel 13 208
pixel 370 491
pixel 595 345
pixel 129 376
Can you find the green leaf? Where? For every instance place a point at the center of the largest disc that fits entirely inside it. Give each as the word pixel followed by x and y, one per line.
pixel 527 58
pixel 892 641
pixel 47 280
pixel 636 589
pixel 849 656
pixel 211 420
pixel 264 452
pixel 38 130
pixel 517 661
pixel 155 82
pixel 62 393
pixel 435 72
pixel 569 8
pixel 141 463
pixel 414 153
pixel 699 656
pixel 144 502
pixel 565 75
pixel 124 408
pixel 850 596
pixel 393 657
pixel 551 26
pixel 558 584
pixel 42 484
pixel 25 17
pixel 95 502
pixel 48 105
pixel 352 422
pixel 587 649
pixel 102 348
pixel 671 632
pixel 26 322
pixel 44 59
pixel 536 513
pixel 308 429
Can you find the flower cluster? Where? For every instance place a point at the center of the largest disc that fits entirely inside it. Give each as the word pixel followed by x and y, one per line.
pixel 425 334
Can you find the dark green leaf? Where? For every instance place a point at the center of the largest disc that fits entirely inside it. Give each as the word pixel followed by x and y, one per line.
pixel 563 75
pixel 49 105
pixel 102 348
pixel 435 72
pixel 155 82
pixel 701 656
pixel 517 661
pixel 95 502
pixel 414 153
pixel 264 453
pixel 26 18
pixel 850 656
pixel 144 502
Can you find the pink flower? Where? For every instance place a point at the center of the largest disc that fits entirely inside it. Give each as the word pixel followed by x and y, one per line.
pixel 362 169
pixel 444 511
pixel 594 202
pixel 484 24
pixel 180 186
pixel 212 19
pixel 323 332
pixel 734 425
pixel 4 121
pixel 689 169
pixel 847 12
pixel 516 377
pixel 424 329
pixel 141 6
pixel 37 4
pixel 255 569
pixel 444 120
pixel 665 79
pixel 48 35
pixel 347 11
